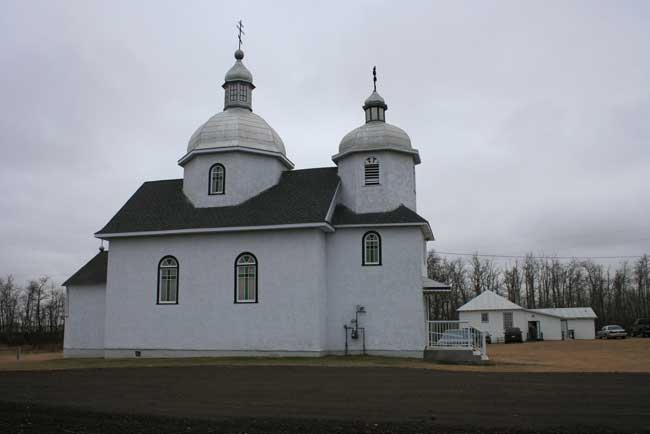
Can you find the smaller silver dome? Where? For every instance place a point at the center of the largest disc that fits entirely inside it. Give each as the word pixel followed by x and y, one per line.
pixel 239 72
pixel 376 136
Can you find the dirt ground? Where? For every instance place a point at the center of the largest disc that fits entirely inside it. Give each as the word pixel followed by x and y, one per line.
pixel 629 355
pixel 302 394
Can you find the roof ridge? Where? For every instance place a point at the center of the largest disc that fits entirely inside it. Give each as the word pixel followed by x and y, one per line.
pixel 311 169
pixel 162 180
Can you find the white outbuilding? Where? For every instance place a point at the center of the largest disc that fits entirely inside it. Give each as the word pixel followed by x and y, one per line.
pixel 492 313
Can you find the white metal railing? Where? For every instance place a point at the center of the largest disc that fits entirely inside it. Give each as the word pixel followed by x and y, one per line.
pixel 455 334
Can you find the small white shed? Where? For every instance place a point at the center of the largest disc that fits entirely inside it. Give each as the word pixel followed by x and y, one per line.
pixel 492 313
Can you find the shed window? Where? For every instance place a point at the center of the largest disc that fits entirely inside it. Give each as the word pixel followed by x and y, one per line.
pixel 507 320
pixel 371 171
pixel 246 278
pixel 217 179
pixel 168 280
pixel 485 317
pixel 371 249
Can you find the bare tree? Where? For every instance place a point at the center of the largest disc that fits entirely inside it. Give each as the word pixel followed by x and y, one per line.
pixel 8 305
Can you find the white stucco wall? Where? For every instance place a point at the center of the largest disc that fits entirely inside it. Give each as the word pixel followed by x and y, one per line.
pixel 583 328
pixel 391 293
pixel 84 323
pixel 247 175
pixel 288 318
pixel 396 182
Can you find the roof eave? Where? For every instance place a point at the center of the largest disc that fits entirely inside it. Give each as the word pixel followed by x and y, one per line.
pixel 187 157
pixel 426 229
pixel 413 152
pixel 325 226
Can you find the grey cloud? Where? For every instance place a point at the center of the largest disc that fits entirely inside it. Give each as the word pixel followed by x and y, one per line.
pixel 531 118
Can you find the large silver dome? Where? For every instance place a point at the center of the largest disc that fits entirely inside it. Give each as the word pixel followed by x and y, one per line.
pixel 236 127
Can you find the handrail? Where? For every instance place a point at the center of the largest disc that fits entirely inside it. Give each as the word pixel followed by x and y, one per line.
pixel 455 334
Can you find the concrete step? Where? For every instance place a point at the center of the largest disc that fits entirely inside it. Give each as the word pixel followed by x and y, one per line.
pixel 454 355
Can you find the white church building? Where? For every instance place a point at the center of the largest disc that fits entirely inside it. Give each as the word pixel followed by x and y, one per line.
pixel 246 255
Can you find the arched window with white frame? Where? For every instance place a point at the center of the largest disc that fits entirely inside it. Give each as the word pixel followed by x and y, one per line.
pixel 246 278
pixel 371 171
pixel 217 179
pixel 168 281
pixel 371 244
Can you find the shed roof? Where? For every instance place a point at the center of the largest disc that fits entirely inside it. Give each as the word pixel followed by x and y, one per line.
pixel 430 285
pixel 488 300
pixel 93 273
pixel 568 312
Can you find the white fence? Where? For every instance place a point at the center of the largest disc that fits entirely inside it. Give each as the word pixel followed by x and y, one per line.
pixel 455 334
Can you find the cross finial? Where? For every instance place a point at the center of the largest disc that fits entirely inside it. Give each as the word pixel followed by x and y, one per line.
pixel 374 78
pixel 240 27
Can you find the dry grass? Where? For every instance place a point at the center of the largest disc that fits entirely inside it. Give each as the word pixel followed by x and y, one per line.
pixel 629 355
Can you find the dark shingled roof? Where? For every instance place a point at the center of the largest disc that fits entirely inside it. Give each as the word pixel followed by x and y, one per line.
pixel 94 272
pixel 344 216
pixel 301 196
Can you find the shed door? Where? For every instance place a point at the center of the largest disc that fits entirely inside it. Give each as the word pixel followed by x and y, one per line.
pixel 565 329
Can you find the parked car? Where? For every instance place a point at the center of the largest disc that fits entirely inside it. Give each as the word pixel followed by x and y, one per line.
pixel 513 334
pixel 456 337
pixel 612 332
pixel 641 327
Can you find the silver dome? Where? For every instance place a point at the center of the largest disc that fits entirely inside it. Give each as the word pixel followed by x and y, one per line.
pixel 375 100
pixel 239 72
pixel 236 127
pixel 376 136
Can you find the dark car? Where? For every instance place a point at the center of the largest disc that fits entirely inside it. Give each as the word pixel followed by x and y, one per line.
pixel 513 334
pixel 641 327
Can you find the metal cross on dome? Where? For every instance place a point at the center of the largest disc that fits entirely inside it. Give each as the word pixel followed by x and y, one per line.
pixel 240 27
pixel 374 78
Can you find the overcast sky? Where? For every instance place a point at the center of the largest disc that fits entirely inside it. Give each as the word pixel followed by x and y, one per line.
pixel 532 119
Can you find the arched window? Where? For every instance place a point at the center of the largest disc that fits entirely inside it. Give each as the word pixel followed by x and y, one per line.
pixel 217 184
pixel 168 280
pixel 371 171
pixel 371 248
pixel 246 278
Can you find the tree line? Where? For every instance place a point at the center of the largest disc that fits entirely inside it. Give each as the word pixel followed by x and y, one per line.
pixel 33 314
pixel 618 295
